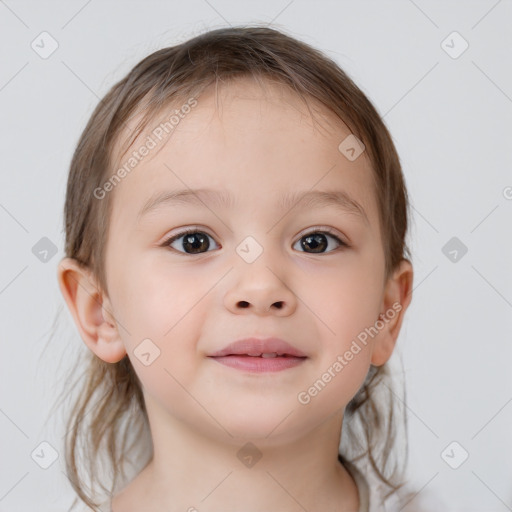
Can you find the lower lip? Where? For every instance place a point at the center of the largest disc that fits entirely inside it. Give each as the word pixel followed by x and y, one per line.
pixel 260 364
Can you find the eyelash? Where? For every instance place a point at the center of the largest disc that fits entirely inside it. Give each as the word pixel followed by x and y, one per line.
pixel 327 231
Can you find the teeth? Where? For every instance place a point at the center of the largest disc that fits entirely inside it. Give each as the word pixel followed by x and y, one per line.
pixel 266 355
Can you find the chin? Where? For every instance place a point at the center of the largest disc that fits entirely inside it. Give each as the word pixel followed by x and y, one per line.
pixel 268 426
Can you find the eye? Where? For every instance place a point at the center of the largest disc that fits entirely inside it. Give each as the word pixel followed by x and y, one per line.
pixel 194 241
pixel 318 241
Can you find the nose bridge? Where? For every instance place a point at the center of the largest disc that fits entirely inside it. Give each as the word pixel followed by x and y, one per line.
pixel 260 279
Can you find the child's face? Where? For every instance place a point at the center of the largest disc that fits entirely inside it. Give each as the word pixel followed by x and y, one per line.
pixel 257 148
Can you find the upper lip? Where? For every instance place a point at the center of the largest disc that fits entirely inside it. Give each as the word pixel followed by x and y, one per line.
pixel 259 346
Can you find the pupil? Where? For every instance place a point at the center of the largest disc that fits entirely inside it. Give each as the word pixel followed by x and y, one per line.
pixel 200 238
pixel 315 241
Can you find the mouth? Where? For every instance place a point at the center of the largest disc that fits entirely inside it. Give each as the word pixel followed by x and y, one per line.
pixel 259 355
pixel 267 355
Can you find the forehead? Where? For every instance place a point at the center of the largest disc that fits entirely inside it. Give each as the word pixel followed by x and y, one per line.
pixel 258 141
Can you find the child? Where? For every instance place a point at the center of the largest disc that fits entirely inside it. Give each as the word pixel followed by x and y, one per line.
pixel 236 263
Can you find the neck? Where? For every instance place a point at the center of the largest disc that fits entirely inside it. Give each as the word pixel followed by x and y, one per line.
pixel 194 472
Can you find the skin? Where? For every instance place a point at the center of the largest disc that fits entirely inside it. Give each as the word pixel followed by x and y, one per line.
pixel 257 143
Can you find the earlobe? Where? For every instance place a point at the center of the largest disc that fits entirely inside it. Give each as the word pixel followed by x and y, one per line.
pixel 91 311
pixel 396 300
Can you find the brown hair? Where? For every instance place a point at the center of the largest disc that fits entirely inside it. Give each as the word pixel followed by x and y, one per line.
pixel 113 391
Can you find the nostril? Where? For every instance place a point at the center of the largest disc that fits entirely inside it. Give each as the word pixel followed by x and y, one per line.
pixel 245 304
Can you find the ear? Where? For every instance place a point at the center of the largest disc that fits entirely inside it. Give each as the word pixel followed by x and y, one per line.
pixel 396 299
pixel 91 310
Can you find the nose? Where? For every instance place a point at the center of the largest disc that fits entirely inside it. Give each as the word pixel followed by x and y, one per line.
pixel 260 290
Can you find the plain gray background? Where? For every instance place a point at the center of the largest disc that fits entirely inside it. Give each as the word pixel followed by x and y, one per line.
pixel 450 114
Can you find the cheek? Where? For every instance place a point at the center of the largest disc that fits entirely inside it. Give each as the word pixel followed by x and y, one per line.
pixel 156 296
pixel 345 303
pixel 345 300
pixel 161 311
pixel 164 307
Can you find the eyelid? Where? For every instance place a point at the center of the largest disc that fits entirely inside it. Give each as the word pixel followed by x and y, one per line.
pixel 182 232
pixel 324 229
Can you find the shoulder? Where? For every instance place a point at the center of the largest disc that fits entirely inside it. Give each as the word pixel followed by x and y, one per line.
pixel 362 484
pixel 105 506
pixel 373 494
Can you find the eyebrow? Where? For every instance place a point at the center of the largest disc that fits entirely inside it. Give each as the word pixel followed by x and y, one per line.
pixel 223 199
